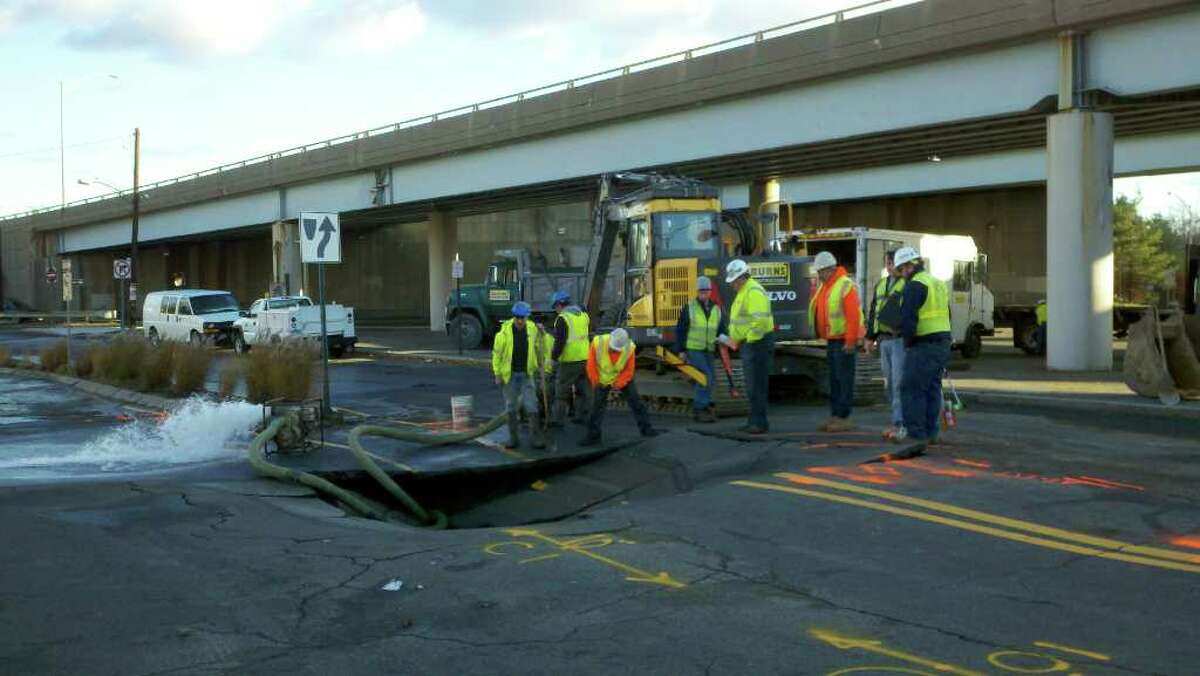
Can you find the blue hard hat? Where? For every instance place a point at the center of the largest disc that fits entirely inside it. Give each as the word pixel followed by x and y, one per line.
pixel 560 298
pixel 520 309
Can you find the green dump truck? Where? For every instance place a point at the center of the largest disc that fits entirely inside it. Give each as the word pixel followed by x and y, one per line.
pixel 514 274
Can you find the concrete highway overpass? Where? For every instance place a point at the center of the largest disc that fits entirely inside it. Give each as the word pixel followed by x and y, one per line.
pixel 851 109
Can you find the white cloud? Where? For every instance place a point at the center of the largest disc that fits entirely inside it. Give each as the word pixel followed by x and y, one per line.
pixel 375 26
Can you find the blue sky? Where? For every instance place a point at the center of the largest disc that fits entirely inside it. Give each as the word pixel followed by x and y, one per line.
pixel 216 81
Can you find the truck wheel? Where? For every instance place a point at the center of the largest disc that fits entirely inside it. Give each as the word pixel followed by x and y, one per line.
pixel 1025 335
pixel 239 343
pixel 470 328
pixel 336 351
pixel 972 344
pixel 195 339
pixel 155 340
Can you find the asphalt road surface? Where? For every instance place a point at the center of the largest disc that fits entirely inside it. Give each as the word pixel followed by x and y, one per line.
pixel 1023 544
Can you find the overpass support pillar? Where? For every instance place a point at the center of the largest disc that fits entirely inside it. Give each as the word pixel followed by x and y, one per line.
pixel 287 273
pixel 764 210
pixel 443 241
pixel 1079 241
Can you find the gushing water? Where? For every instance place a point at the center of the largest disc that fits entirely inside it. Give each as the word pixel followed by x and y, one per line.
pixel 198 431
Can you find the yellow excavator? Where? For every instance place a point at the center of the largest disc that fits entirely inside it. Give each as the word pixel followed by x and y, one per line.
pixel 653 236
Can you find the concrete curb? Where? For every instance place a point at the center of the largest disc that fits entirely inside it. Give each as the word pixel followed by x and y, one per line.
pixel 1064 404
pixel 150 401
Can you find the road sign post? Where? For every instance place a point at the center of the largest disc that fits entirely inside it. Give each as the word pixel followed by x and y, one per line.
pixel 67 289
pixel 122 271
pixel 321 243
pixel 456 271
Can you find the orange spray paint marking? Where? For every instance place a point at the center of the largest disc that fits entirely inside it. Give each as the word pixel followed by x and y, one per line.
pixel 869 474
pixel 981 464
pixel 1114 484
pixel 1190 541
pixel 936 471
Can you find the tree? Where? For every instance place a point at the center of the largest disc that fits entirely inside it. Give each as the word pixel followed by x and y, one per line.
pixel 1142 259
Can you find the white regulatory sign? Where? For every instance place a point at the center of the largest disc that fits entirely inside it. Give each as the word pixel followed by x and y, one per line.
pixel 456 269
pixel 320 237
pixel 121 268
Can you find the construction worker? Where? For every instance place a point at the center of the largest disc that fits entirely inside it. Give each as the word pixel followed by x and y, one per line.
pixel 925 327
pixel 695 342
pixel 883 335
pixel 1039 334
pixel 751 325
pixel 835 314
pixel 610 366
pixel 517 355
pixel 569 355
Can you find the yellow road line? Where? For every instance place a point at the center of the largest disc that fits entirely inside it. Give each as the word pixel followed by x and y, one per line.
pixel 977 528
pixel 1074 651
pixel 1016 524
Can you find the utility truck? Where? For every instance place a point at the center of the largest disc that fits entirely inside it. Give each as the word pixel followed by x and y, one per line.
pixel 954 259
pixel 280 318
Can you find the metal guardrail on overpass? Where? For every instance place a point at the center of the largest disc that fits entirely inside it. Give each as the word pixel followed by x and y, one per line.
pixel 685 55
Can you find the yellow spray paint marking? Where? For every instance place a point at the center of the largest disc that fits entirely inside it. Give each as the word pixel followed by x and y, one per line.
pixel 1074 651
pixel 1054 665
pixel 538 485
pixel 878 648
pixel 1015 524
pixel 974 527
pixel 582 546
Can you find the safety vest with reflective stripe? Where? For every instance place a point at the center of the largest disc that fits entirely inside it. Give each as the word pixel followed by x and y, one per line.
pixel 881 299
pixel 576 348
pixel 1041 313
pixel 835 312
pixel 502 348
pixel 605 368
pixel 934 315
pixel 702 329
pixel 750 317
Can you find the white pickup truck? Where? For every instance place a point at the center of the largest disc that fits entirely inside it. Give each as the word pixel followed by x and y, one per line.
pixel 274 320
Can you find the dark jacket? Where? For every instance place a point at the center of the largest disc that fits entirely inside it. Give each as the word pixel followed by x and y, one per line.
pixel 685 321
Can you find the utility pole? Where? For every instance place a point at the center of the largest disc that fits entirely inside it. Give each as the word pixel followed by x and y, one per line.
pixel 133 240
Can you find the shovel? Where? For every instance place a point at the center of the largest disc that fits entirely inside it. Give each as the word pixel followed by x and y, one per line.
pixel 1167 394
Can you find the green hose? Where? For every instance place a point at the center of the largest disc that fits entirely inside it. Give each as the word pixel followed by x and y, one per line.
pixel 258 460
pixel 433 519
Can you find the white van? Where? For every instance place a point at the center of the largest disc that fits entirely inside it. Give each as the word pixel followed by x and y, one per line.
pixel 192 315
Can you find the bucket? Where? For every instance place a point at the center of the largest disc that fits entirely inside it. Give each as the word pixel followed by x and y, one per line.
pixel 461 408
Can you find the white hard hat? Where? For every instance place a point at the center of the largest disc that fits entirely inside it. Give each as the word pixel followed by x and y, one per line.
pixel 703 284
pixel 824 260
pixel 905 254
pixel 618 340
pixel 736 268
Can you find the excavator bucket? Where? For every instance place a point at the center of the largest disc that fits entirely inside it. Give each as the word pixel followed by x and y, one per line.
pixel 1161 360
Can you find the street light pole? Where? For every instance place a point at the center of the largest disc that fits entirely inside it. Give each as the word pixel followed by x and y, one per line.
pixel 133 240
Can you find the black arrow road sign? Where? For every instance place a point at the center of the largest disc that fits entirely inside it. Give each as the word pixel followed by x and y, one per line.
pixel 327 228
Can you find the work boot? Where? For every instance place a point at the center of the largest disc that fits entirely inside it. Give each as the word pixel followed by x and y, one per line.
pixel 650 432
pixel 710 415
pixel 910 449
pixel 590 440
pixel 755 430
pixel 889 432
pixel 697 415
pixel 840 425
pixel 536 434
pixel 824 427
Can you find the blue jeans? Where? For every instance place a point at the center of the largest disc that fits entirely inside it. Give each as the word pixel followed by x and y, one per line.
pixel 756 369
pixel 841 378
pixel 921 387
pixel 703 361
pixel 520 394
pixel 891 358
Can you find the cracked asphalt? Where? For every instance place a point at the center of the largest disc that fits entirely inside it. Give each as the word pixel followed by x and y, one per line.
pixel 1024 544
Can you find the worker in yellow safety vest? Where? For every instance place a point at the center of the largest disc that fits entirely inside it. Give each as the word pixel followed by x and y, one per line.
pixel 610 367
pixel 925 328
pixel 570 353
pixel 883 336
pixel 751 330
pixel 1039 334
pixel 518 354
pixel 695 342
